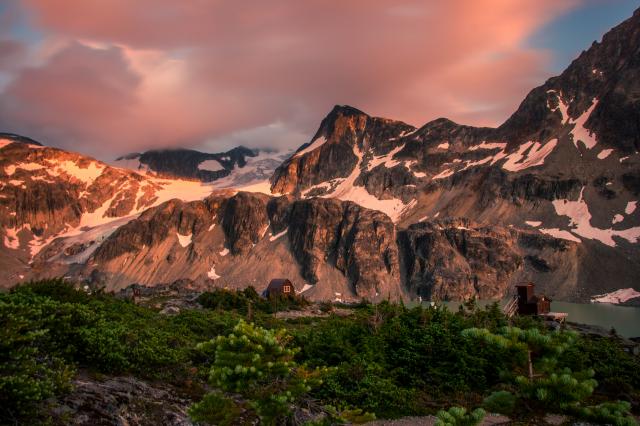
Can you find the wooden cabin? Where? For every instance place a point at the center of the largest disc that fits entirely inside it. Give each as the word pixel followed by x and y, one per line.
pixel 530 303
pixel 280 287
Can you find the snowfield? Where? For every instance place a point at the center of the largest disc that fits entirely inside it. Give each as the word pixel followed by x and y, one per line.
pixel 580 223
pixel 211 165
pixel 618 296
pixel 314 145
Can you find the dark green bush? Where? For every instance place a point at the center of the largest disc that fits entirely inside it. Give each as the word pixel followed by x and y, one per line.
pixel 459 416
pixel 243 301
pixel 503 402
pixel 386 359
pixel 29 371
pixel 257 364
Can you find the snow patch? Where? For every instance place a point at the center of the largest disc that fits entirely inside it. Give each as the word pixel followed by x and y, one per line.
pixel 10 170
pixel 224 252
pixel 631 207
pixel 305 288
pixel 485 160
pixel 444 145
pixel 278 235
pixel 534 223
pixel 617 219
pixel 579 131
pixel 212 273
pixel 314 145
pixel 11 239
pixel 347 191
pixel 210 165
pixel 386 159
pixel 488 145
pixel 5 142
pixel 84 174
pixel 604 153
pixel 559 233
pixel 184 240
pixel 443 174
pixel 410 164
pixel 578 213
pixel 184 190
pixel 618 296
pixel 534 157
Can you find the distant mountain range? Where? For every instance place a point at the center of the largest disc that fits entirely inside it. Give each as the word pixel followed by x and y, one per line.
pixel 205 167
pixel 370 207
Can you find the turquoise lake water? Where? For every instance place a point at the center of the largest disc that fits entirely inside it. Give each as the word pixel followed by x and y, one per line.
pixel 625 319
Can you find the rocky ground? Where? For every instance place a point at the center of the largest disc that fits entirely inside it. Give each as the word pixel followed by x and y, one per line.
pixel 121 401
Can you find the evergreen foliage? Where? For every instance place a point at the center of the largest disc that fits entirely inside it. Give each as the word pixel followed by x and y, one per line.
pixel 385 359
pixel 243 301
pixel 257 364
pixel 537 380
pixel 459 416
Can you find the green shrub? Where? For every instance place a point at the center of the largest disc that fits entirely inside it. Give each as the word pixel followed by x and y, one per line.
pixel 614 413
pixel 537 379
pixel 617 371
pixel 458 416
pixel 356 416
pixel 386 359
pixel 29 371
pixel 366 385
pixel 258 365
pixel 243 301
pixel 217 409
pixel 502 402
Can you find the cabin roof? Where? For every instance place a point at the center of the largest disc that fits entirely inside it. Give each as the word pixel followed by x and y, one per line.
pixel 277 283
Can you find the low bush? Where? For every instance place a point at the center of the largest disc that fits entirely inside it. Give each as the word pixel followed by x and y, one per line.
pixel 258 365
pixel 459 416
pixel 386 359
pixel 247 300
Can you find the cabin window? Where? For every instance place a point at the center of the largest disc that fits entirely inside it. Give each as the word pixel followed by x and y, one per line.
pixel 286 289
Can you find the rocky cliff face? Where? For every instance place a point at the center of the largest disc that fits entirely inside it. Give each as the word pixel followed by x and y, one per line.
pixel 359 242
pixel 456 259
pixel 312 241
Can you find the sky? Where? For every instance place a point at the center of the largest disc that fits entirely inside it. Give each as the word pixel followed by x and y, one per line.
pixel 108 78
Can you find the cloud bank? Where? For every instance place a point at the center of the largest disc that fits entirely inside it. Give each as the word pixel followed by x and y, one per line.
pixel 113 77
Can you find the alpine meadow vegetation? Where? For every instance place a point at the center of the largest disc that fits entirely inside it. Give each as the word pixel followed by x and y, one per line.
pixel 238 363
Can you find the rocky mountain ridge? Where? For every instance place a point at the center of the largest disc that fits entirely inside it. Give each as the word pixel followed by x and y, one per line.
pixel 238 166
pixel 47 193
pixel 370 207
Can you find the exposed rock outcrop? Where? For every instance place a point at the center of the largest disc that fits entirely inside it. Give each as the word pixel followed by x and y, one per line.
pixel 454 259
pixel 122 401
pixel 358 241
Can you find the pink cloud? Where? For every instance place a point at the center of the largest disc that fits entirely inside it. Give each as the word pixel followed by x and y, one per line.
pixel 184 72
pixel 12 53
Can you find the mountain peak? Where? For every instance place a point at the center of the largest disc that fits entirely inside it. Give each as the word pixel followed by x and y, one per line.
pixel 346 110
pixel 18 138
